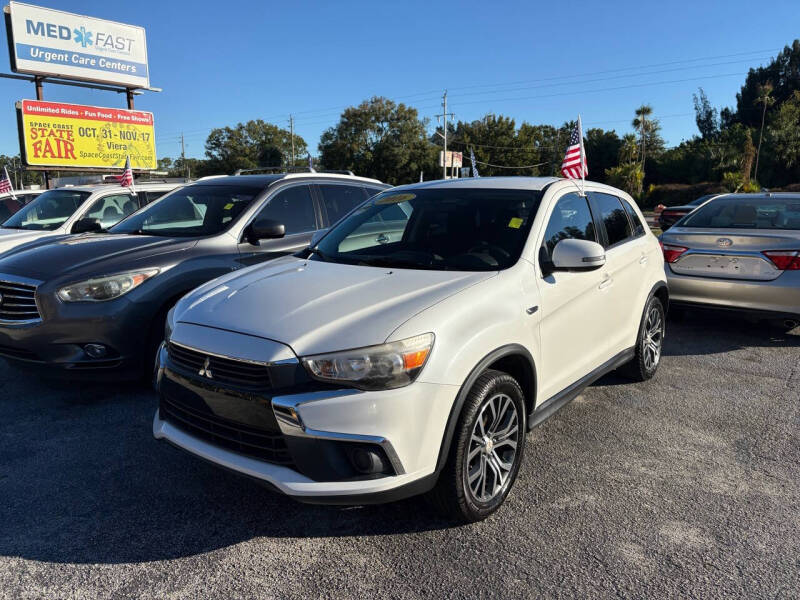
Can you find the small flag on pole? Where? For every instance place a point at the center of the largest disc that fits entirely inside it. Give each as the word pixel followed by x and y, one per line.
pixel 574 165
pixel 473 163
pixel 5 184
pixel 126 179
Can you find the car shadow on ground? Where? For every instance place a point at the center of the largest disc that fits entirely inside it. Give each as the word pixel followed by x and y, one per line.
pixel 83 481
pixel 700 331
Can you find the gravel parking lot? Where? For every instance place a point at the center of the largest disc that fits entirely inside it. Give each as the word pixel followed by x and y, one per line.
pixel 686 485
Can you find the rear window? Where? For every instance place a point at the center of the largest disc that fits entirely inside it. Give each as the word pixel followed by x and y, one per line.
pixel 746 213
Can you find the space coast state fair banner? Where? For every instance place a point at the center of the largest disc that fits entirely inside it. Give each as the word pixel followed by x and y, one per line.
pixel 44 41
pixel 54 134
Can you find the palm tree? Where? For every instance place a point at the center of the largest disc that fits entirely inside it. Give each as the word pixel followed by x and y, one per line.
pixel 640 123
pixel 765 99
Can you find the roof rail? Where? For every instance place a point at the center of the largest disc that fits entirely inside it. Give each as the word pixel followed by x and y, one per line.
pixel 275 169
pixel 336 171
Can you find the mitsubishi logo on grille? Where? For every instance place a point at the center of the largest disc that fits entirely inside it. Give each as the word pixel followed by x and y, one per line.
pixel 204 370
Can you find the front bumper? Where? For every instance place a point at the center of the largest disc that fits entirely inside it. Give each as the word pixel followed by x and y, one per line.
pixel 407 424
pixel 55 345
pixel 779 297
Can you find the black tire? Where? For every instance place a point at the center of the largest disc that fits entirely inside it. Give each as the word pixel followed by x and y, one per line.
pixel 453 495
pixel 649 343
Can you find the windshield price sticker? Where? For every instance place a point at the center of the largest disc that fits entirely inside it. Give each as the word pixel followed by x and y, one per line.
pixel 72 135
pixel 515 223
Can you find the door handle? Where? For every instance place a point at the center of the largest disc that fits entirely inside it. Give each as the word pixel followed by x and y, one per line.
pixel 606 283
pixel 643 260
pixel 382 239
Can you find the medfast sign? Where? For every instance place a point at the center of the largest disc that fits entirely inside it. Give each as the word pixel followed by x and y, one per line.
pixel 44 41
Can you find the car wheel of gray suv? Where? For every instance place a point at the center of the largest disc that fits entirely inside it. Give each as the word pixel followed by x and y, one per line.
pixel 649 343
pixel 486 450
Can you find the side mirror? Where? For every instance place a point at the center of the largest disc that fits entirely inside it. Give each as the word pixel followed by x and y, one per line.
pixel 317 236
pixel 86 224
pixel 578 255
pixel 265 229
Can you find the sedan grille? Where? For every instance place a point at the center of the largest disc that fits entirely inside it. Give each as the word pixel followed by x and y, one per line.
pixel 18 302
pixel 223 370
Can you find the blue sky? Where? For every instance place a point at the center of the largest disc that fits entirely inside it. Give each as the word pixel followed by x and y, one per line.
pixel 224 62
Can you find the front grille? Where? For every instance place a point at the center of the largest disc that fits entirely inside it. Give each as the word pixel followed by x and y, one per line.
pixel 222 370
pixel 18 302
pixel 251 441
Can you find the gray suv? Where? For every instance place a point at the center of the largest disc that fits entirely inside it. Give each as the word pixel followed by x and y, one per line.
pixel 96 303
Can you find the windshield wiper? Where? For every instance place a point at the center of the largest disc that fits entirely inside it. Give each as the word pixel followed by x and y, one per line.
pixel 399 263
pixel 324 257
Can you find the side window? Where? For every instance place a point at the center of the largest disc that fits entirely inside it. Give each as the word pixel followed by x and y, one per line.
pixel 618 228
pixel 150 196
pixel 340 200
pixel 638 226
pixel 570 219
pixel 111 209
pixel 294 208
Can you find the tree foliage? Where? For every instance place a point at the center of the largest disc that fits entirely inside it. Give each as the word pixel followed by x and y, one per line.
pixel 250 145
pixel 380 139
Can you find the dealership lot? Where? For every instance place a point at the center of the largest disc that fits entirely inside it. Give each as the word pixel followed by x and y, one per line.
pixel 688 484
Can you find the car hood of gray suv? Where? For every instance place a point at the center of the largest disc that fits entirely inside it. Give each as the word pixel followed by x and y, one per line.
pixel 315 306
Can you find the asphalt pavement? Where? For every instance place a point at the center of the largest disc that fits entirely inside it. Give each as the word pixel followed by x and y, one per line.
pixel 687 485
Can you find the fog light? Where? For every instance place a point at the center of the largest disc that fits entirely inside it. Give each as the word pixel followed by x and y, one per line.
pixel 367 461
pixel 95 350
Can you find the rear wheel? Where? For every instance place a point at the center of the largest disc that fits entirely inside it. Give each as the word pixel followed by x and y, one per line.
pixel 486 451
pixel 649 343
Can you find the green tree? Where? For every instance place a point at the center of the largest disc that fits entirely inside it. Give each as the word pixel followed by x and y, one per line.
pixel 250 145
pixel 628 175
pixel 766 100
pixel 602 152
pixel 783 72
pixel 380 139
pixel 705 115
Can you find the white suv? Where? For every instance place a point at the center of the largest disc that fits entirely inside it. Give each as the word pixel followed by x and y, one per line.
pixel 412 346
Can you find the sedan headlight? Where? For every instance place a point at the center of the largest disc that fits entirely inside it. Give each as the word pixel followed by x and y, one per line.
pixel 104 288
pixel 381 367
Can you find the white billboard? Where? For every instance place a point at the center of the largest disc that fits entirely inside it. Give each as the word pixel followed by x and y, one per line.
pixel 44 41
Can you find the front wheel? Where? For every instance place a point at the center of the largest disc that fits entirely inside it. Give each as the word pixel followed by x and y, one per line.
pixel 649 343
pixel 486 451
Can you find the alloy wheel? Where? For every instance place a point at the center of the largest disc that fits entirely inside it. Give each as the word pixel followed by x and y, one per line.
pixel 492 448
pixel 653 338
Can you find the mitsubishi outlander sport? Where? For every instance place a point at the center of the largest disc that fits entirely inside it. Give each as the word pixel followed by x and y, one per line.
pixel 413 346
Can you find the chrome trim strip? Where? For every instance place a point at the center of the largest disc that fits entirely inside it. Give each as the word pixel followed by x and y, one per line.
pixel 286 413
pixel 285 361
pixel 26 281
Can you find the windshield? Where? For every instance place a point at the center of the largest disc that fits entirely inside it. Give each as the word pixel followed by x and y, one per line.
pixel 194 210
pixel 759 212
pixel 49 211
pixel 440 229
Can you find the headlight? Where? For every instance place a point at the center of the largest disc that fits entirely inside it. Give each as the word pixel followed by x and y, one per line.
pixel 381 367
pixel 104 288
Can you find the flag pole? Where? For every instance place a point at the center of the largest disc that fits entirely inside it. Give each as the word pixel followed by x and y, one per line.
pixel 583 157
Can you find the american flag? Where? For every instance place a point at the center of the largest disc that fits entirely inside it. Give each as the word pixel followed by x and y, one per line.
pixel 574 165
pixel 126 179
pixel 5 183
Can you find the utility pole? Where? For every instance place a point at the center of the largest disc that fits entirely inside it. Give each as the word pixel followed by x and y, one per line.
pixel 291 129
pixel 444 116
pixel 183 159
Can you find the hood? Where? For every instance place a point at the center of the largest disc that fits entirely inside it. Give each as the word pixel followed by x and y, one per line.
pixel 315 306
pixel 90 254
pixel 11 238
